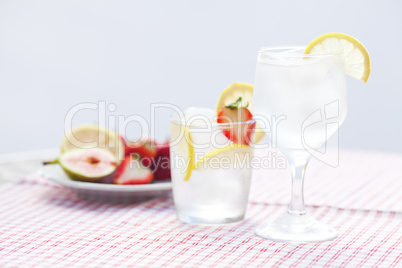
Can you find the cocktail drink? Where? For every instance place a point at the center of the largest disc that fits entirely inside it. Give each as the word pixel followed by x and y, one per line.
pixel 210 174
pixel 303 98
pixel 299 94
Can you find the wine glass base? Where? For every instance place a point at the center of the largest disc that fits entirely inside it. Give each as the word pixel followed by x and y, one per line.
pixel 296 229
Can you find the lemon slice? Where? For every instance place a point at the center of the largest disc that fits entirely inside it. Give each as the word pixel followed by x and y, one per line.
pixel 231 94
pixel 94 136
pixel 231 149
pixel 355 55
pixel 182 146
pixel 190 147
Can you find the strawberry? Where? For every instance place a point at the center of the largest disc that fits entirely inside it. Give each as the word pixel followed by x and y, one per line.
pixel 233 113
pixel 145 149
pixel 161 165
pixel 131 171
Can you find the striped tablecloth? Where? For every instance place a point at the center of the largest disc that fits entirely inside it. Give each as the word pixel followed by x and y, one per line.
pixel 45 225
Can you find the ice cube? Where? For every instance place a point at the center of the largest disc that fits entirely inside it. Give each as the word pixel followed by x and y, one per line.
pixel 195 116
pixel 205 135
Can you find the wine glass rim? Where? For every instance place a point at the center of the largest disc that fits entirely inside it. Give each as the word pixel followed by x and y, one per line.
pixel 286 51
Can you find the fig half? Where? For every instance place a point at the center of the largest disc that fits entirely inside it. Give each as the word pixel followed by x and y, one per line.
pixel 88 165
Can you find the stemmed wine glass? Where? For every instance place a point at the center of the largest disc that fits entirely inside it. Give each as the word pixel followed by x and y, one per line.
pixel 300 93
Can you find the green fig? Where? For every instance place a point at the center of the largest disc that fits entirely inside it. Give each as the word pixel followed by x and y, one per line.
pixel 88 165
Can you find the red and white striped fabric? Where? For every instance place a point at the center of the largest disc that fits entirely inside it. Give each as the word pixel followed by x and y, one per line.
pixel 362 180
pixel 44 225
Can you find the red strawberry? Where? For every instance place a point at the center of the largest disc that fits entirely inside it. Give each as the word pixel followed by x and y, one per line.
pixel 146 150
pixel 233 113
pixel 161 164
pixel 131 171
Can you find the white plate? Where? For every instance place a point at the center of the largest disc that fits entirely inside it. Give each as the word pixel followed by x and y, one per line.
pixel 106 192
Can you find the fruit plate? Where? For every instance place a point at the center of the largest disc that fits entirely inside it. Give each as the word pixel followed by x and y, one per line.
pixel 106 192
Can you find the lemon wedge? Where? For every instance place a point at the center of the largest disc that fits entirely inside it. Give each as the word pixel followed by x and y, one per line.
pixel 230 149
pixel 355 55
pixel 94 136
pixel 183 147
pixel 190 148
pixel 231 94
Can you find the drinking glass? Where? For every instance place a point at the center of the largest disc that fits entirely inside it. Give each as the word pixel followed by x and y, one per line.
pixel 298 94
pixel 210 174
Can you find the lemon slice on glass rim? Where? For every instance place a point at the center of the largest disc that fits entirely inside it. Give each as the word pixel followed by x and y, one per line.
pixel 354 54
pixel 231 94
pixel 185 148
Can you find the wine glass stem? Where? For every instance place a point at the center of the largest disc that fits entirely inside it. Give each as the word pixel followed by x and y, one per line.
pixel 297 167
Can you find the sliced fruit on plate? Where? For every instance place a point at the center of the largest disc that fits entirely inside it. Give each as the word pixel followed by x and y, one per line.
pixel 231 94
pixel 88 165
pixel 145 149
pixel 131 171
pixel 161 165
pixel 233 114
pixel 94 136
pixel 355 55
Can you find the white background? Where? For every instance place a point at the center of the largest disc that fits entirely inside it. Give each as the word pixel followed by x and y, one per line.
pixel 57 54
